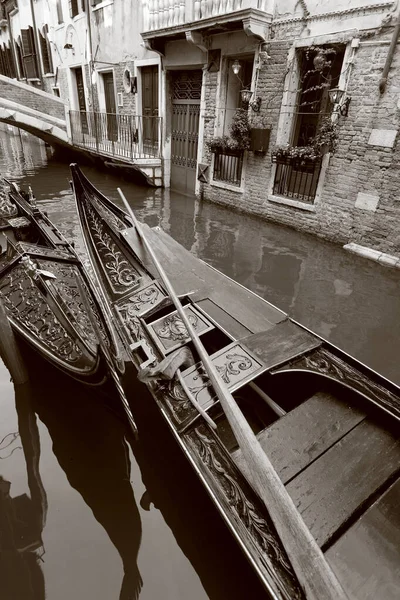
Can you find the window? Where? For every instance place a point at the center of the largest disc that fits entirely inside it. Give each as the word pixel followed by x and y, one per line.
pixel 7 66
pixel 60 16
pixel 46 50
pixel 56 91
pixel 76 7
pixel 29 57
pixel 320 67
pixel 234 84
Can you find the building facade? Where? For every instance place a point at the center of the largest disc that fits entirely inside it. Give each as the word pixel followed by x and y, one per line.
pixel 229 99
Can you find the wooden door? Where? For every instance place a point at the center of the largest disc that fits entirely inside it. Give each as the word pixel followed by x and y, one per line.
pixel 150 107
pixel 186 86
pixel 80 89
pixel 111 108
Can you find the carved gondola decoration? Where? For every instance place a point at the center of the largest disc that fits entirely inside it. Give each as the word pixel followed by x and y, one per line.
pixel 328 423
pixel 47 294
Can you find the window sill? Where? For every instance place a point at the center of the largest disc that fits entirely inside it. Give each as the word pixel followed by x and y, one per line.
pixel 34 79
pixel 289 202
pixel 102 5
pixel 47 75
pixel 227 186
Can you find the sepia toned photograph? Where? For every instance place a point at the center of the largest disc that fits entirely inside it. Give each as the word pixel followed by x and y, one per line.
pixel 199 300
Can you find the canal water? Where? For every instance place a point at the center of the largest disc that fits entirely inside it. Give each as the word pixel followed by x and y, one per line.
pixel 87 513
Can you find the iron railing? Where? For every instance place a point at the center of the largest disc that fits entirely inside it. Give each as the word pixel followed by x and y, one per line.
pixel 297 179
pixel 228 166
pixel 125 136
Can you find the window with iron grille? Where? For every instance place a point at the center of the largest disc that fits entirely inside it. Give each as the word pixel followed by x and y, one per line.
pixel 46 51
pixel 29 57
pixel 297 177
pixel 228 166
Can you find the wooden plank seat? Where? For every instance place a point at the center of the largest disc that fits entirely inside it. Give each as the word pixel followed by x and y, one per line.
pixel 332 459
pixel 303 434
pixel 332 489
pixel 367 557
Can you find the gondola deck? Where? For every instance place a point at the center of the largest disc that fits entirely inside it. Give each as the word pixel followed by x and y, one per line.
pixel 328 423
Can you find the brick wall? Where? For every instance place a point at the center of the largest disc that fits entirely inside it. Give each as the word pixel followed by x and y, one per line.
pixel 356 167
pixel 129 99
pixel 25 95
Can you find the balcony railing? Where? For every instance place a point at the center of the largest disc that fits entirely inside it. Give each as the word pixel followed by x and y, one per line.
pixel 124 136
pixel 228 167
pixel 161 14
pixel 297 179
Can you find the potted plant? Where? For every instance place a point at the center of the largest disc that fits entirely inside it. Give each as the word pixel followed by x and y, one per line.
pixel 326 138
pixel 238 141
pixel 295 154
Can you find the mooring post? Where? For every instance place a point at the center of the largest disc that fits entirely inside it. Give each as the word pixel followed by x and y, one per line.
pixel 9 350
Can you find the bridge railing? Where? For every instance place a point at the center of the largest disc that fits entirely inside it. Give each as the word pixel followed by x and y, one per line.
pixel 124 136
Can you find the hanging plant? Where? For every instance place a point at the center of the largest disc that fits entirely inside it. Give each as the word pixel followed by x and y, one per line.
pixel 326 139
pixel 240 137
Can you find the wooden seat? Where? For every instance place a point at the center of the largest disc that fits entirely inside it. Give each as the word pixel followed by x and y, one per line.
pixel 302 435
pixel 367 557
pixel 332 459
pixel 331 489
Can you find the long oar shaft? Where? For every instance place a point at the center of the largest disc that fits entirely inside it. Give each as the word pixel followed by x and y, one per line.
pixel 313 572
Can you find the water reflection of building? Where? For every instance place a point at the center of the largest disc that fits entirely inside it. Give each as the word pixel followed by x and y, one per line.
pixel 20 152
pixel 22 517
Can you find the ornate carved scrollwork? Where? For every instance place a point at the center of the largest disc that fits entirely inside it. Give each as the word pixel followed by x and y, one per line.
pixel 27 306
pixel 242 501
pixel 119 271
pixel 326 363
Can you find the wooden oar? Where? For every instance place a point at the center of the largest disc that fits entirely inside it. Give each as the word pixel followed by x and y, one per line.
pixel 313 572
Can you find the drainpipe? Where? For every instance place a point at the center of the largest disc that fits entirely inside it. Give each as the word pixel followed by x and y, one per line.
pixel 389 58
pixel 91 63
pixel 37 43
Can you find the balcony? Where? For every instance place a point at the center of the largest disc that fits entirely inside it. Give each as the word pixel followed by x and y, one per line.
pixel 173 17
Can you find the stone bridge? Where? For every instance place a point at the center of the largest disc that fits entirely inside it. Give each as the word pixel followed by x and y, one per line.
pixel 35 111
pixel 47 117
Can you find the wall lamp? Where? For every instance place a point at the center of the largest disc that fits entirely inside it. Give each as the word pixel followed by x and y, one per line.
pixel 340 101
pixel 246 99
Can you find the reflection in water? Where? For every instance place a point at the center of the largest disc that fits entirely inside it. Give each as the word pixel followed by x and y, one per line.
pixel 22 518
pixel 97 465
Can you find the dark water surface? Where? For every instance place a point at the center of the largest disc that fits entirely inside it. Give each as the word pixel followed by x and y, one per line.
pixel 72 480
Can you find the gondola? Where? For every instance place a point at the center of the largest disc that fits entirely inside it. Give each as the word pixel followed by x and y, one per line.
pixel 328 423
pixel 47 295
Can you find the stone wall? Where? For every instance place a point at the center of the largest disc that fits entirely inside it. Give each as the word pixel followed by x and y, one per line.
pixel 359 199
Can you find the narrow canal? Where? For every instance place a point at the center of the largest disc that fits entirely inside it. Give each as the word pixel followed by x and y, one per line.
pixel 86 513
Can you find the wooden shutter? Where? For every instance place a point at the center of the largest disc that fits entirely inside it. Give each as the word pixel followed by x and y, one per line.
pixel 18 52
pixel 46 51
pixel 29 54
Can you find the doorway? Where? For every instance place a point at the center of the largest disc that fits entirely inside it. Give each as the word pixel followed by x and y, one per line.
pixel 111 107
pixel 186 95
pixel 149 77
pixel 79 97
